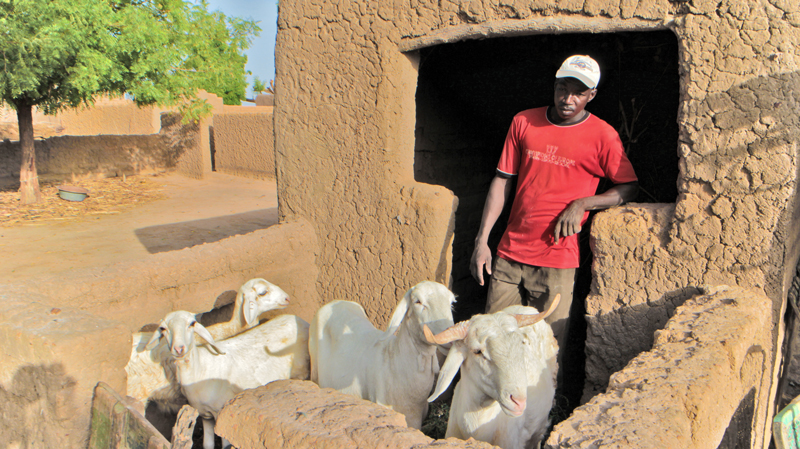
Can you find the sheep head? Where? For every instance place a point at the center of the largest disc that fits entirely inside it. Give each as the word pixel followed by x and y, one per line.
pixel 178 329
pixel 259 296
pixel 428 303
pixel 490 351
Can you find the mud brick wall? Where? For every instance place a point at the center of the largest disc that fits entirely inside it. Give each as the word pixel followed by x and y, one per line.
pixel 707 373
pixel 350 70
pixel 61 334
pixel 60 157
pixel 177 147
pixel 298 414
pixel 244 142
pixel 107 116
pixel 737 189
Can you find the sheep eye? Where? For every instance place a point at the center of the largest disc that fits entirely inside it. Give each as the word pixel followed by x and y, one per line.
pixel 477 352
pixel 262 292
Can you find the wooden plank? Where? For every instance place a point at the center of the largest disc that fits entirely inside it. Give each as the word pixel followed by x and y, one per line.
pixel 116 424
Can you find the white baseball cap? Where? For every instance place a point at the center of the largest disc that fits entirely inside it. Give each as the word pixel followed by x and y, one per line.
pixel 581 67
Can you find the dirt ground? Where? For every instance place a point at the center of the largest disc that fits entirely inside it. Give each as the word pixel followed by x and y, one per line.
pixel 127 218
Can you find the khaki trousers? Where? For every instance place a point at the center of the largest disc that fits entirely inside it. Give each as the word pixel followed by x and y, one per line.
pixel 514 283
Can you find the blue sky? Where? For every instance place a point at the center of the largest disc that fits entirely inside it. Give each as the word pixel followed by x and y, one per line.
pixel 261 54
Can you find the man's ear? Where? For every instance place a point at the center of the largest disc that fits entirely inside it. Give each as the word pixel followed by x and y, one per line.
pixel 592 94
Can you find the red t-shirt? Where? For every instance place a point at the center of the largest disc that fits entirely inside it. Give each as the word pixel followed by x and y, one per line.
pixel 555 165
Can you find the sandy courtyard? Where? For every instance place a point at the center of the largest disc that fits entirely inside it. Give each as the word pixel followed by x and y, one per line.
pixel 191 213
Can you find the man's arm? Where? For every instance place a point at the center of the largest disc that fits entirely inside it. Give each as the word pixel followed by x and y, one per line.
pixel 569 222
pixel 495 201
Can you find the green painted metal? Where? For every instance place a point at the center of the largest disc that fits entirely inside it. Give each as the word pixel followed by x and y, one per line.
pixel 786 426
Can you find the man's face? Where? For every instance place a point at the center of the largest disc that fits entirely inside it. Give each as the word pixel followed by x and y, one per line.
pixel 571 97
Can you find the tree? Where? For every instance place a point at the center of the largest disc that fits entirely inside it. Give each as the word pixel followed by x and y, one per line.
pixel 60 54
pixel 260 86
pixel 226 39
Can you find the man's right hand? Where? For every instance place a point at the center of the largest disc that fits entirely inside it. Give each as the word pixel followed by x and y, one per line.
pixel 481 258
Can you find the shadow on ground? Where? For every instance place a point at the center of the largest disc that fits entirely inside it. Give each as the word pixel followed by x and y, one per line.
pixel 175 236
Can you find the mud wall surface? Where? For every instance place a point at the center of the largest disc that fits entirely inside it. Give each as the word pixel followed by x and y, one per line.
pixel 344 107
pixel 108 116
pixel 103 140
pixel 707 372
pixel 711 362
pixel 344 111
pixel 298 414
pixel 244 141
pixel 117 116
pixel 64 333
pixel 737 189
pixel 196 161
pixel 178 147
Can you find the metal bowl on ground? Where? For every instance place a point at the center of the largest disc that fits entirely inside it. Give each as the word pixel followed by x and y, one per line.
pixel 72 193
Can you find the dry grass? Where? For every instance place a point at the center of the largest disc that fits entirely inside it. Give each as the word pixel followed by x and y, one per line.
pixel 106 196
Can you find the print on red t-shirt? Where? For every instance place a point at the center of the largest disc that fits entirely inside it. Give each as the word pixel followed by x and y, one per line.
pixel 554 165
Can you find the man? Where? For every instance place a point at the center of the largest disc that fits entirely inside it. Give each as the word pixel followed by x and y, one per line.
pixel 557 155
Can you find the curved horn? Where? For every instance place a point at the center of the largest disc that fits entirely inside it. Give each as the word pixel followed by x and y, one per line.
pixel 449 335
pixel 528 320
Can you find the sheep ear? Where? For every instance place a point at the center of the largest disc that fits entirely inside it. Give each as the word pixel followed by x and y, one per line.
pixel 399 313
pixel 154 339
pixel 451 366
pixel 203 332
pixel 249 310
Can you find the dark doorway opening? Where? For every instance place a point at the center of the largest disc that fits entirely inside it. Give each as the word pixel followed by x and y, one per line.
pixel 467 94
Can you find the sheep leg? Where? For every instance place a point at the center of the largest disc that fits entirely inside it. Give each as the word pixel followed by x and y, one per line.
pixel 208 433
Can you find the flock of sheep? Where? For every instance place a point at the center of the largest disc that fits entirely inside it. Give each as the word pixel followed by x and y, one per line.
pixel 507 361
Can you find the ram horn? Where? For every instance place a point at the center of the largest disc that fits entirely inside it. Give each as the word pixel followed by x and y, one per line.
pixel 528 320
pixel 455 332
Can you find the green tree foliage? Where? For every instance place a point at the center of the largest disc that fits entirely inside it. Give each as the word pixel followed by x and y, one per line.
pixel 260 86
pixel 223 44
pixel 58 54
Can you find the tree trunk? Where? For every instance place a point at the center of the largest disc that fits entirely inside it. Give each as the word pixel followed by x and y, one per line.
pixel 28 178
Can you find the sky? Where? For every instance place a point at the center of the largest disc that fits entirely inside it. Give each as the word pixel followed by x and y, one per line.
pixel 261 54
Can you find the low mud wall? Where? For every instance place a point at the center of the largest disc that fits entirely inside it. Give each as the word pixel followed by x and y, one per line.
pixel 298 414
pixel 108 116
pixel 244 141
pixel 61 157
pixel 64 333
pixel 704 384
pixel 177 147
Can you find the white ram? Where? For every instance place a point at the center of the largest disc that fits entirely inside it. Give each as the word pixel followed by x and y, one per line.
pixel 210 375
pixel 508 367
pixel 151 373
pixel 395 368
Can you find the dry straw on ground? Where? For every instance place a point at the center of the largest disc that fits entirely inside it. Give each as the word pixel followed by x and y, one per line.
pixel 106 196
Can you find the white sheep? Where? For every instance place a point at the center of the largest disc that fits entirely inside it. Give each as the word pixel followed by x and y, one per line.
pixel 151 373
pixel 210 375
pixel 508 367
pixel 395 368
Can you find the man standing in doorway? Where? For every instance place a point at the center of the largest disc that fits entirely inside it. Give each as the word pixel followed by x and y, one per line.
pixel 557 154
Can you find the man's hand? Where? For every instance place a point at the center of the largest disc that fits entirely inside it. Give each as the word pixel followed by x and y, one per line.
pixel 481 258
pixel 569 222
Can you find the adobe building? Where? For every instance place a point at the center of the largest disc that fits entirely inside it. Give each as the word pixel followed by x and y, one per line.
pixel 391 117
